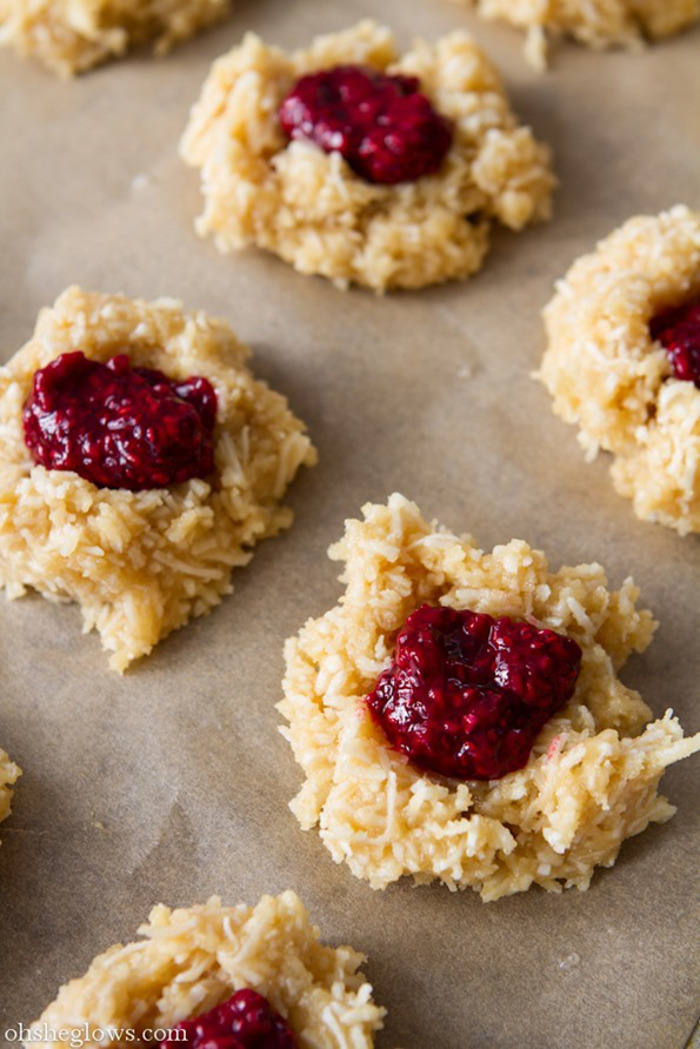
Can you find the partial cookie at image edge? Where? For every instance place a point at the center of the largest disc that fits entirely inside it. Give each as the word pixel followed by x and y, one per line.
pixel 72 37
pixel 607 373
pixel 9 774
pixel 613 23
pixel 192 959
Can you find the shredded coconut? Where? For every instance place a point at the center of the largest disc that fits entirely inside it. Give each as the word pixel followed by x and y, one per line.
pixel 591 780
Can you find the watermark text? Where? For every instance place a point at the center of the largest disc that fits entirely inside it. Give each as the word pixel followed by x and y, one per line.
pixel 86 1034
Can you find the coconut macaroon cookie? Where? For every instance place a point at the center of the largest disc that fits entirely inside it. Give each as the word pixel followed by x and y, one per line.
pixel 623 361
pixel 135 487
pixel 9 774
pixel 596 23
pixel 70 36
pixel 458 714
pixel 362 166
pixel 256 971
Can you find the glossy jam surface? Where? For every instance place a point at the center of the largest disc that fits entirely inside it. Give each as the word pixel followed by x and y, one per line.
pixel 466 695
pixel 118 426
pixel 382 125
pixel 245 1021
pixel 678 331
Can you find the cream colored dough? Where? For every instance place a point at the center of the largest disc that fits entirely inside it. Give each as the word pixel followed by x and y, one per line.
pixel 591 780
pixel 596 23
pixel 607 374
pixel 140 564
pixel 312 210
pixel 70 36
pixel 195 958
pixel 9 774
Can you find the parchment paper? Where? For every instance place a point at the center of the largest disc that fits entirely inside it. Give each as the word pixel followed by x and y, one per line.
pixel 172 783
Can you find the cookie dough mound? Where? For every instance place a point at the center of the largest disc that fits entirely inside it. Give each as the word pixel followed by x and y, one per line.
pixel 607 374
pixel 591 779
pixel 311 209
pixel 9 774
pixel 193 959
pixel 140 564
pixel 596 23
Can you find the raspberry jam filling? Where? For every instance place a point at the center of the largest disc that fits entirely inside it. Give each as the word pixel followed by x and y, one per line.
pixel 382 125
pixel 118 426
pixel 678 331
pixel 466 695
pixel 245 1021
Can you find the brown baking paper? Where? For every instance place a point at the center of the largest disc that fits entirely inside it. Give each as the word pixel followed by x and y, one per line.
pixel 172 783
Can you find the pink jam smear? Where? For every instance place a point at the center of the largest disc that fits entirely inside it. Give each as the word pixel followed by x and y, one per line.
pixel 245 1021
pixel 118 426
pixel 678 331
pixel 466 695
pixel 382 125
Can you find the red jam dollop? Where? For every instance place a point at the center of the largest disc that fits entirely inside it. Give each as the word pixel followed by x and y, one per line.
pixel 245 1021
pixel 118 426
pixel 678 331
pixel 382 125
pixel 466 695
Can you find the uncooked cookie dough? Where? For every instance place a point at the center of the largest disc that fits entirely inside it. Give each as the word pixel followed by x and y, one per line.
pixel 310 208
pixel 70 36
pixel 193 959
pixel 141 563
pixel 597 23
pixel 608 374
pixel 590 780
pixel 9 774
